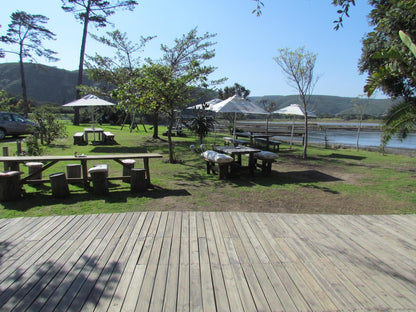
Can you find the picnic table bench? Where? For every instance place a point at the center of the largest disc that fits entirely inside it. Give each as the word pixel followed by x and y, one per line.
pixel 14 161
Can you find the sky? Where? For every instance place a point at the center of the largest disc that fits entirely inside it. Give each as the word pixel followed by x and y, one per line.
pixel 245 44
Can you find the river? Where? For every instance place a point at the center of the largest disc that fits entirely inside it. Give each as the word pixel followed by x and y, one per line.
pixel 344 134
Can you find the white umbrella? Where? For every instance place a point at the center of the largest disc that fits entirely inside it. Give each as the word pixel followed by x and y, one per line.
pixel 89 100
pixel 237 104
pixel 294 110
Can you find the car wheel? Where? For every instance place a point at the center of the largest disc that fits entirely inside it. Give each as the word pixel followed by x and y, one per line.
pixel 2 134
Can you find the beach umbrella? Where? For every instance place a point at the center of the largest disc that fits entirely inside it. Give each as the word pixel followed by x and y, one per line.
pixel 293 110
pixel 237 104
pixel 89 100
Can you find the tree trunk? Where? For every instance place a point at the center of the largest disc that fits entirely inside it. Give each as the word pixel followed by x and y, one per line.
pixel 24 91
pixel 305 142
pixel 155 125
pixel 81 61
pixel 172 159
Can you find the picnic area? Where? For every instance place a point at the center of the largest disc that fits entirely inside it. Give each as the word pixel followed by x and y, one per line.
pixel 328 233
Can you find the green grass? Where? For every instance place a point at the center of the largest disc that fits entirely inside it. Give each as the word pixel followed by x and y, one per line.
pixel 330 181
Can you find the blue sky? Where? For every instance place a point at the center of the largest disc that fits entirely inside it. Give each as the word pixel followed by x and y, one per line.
pixel 246 44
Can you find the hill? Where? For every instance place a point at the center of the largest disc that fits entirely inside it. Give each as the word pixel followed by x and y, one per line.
pixel 47 84
pixel 326 105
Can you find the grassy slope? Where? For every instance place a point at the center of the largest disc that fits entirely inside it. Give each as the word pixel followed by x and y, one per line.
pixel 331 181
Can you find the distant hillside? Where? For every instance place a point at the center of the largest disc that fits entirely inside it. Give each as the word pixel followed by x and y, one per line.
pixel 46 84
pixel 331 105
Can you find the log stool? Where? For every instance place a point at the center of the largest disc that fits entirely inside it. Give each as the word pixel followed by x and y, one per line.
pixel 10 185
pixel 128 164
pixel 138 180
pixel 59 185
pixel 33 167
pixel 99 180
pixel 103 167
pixel 73 171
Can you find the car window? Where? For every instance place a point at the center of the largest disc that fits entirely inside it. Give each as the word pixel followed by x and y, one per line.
pixel 6 117
pixel 18 118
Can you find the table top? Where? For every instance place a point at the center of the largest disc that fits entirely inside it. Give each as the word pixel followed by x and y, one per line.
pixel 236 149
pixel 93 130
pixel 79 157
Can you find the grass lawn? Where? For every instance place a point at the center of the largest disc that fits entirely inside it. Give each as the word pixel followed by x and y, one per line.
pixel 331 181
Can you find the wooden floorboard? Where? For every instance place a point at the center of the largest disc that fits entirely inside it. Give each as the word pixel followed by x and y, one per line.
pixel 208 261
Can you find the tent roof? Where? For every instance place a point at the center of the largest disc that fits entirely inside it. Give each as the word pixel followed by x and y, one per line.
pixel 88 100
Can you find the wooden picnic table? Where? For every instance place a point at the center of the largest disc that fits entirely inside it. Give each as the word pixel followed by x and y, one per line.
pixel 234 151
pixel 14 161
pixel 94 131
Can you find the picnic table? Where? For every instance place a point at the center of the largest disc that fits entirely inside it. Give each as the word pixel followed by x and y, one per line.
pixel 237 151
pixel 14 161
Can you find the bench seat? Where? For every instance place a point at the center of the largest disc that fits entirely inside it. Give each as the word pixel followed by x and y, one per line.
pixel 217 162
pixel 228 140
pixel 79 138
pixel 274 143
pixel 108 137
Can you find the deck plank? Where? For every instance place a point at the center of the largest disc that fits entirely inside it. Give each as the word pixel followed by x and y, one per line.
pixel 208 261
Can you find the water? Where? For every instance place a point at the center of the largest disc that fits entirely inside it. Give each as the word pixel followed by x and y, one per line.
pixel 349 137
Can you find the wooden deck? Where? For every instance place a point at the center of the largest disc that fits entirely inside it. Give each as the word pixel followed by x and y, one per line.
pixel 208 261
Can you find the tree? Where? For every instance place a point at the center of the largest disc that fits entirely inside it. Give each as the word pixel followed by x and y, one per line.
pixel 298 66
pixel 48 126
pixel 96 12
pixel 202 124
pixel 237 89
pixel 117 70
pixel 27 31
pixel 390 64
pixel 163 89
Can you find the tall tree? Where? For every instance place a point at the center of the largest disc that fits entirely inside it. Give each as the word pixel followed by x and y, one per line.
pixel 298 66
pixel 96 12
pixel 390 64
pixel 116 70
pixel 27 31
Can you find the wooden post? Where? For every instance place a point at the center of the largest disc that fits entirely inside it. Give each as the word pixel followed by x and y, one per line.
pixel 6 153
pixel 10 185
pixel 99 182
pixel 19 147
pixel 59 185
pixel 138 180
pixel 128 164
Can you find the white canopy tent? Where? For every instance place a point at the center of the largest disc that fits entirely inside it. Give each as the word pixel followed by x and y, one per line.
pixel 293 110
pixel 237 104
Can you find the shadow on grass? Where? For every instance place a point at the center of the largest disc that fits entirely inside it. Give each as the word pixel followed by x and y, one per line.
pixel 118 149
pixel 116 195
pixel 343 156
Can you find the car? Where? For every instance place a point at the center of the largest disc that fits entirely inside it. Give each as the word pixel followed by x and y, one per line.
pixel 14 124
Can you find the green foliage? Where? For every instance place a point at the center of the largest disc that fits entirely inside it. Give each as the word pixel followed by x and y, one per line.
pixel 237 89
pixel 389 59
pixel 201 125
pixel 32 146
pixel 48 126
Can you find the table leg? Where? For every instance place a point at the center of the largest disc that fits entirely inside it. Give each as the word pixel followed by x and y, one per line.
pixel 146 167
pixel 84 172
pixel 251 164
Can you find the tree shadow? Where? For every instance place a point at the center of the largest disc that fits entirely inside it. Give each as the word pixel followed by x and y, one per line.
pixel 60 285
pixel 120 194
pixel 343 156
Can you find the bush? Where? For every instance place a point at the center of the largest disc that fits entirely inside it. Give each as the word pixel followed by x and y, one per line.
pixel 48 127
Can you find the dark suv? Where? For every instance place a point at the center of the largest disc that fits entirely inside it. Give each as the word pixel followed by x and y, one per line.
pixel 14 124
